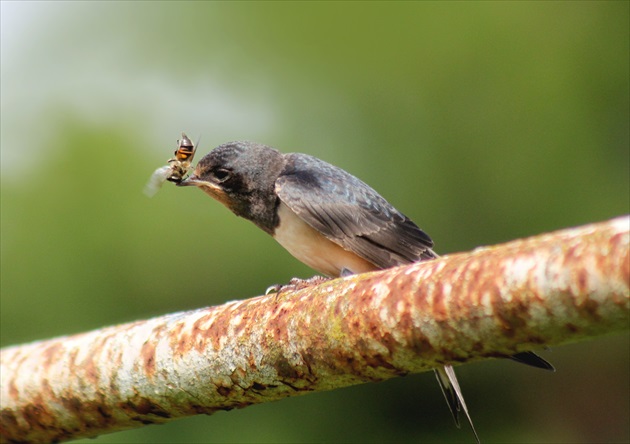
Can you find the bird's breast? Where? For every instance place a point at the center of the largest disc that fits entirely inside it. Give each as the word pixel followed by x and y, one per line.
pixel 313 249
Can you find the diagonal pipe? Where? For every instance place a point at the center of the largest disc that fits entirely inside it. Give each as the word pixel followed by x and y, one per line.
pixel 495 301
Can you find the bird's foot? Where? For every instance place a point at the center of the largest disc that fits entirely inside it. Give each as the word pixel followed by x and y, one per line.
pixel 296 284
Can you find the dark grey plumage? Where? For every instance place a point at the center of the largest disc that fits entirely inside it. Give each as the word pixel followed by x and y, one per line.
pixel 349 212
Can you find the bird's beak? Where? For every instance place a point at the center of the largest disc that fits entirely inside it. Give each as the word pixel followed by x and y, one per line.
pixel 192 180
pixel 211 189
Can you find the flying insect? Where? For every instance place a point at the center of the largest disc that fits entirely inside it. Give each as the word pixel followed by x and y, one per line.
pixel 177 168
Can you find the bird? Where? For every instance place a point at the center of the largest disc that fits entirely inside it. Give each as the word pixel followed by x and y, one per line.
pixel 326 218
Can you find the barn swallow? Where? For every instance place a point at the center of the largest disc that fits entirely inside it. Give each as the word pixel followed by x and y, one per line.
pixel 326 218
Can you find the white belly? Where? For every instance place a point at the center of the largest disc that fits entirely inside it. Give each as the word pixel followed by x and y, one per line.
pixel 310 247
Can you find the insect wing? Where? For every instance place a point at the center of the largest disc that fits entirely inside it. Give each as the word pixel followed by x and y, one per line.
pixel 156 180
pixel 192 152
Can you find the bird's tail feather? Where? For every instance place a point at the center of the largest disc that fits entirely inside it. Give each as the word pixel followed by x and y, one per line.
pixel 531 358
pixel 453 394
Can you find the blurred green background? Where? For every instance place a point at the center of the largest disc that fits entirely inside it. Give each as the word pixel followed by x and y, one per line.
pixel 483 122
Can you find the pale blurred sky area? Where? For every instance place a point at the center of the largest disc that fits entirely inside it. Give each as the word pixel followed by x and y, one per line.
pixel 46 71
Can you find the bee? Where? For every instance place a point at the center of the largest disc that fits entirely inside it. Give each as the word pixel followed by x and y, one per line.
pixel 177 168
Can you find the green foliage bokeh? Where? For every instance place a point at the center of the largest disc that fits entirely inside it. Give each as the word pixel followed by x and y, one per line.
pixel 483 122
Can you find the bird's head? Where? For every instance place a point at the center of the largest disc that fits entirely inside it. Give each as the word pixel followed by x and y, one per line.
pixel 240 175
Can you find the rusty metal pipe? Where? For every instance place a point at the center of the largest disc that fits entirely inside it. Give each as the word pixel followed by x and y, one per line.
pixel 492 302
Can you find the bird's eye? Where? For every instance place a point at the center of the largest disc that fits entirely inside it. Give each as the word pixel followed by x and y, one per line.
pixel 221 175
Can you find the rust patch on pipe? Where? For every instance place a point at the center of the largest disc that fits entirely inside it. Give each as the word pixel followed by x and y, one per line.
pixel 148 357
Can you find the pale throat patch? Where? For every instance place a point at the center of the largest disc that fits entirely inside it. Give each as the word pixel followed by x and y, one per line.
pixel 311 247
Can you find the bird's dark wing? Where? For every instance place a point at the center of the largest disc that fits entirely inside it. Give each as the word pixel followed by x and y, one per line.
pixel 350 213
